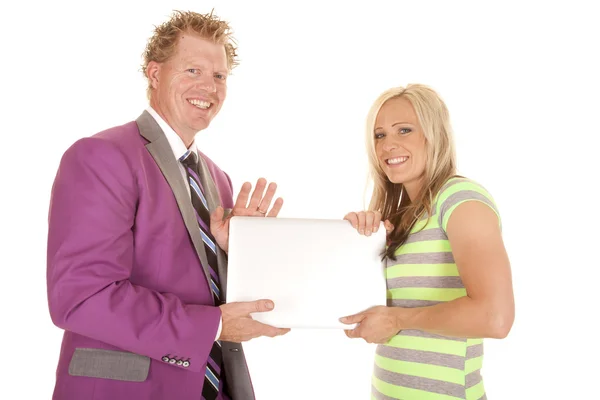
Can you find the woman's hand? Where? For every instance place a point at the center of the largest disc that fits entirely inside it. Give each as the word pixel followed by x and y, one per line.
pixel 376 325
pixel 367 222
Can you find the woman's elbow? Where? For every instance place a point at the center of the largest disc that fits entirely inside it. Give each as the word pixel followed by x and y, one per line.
pixel 500 323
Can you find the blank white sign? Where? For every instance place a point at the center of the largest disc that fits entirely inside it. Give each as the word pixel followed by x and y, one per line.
pixel 315 270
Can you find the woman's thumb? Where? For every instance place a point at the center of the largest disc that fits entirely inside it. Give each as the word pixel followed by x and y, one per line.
pixel 388 226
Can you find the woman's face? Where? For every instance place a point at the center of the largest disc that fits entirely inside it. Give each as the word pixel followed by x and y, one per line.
pixel 400 144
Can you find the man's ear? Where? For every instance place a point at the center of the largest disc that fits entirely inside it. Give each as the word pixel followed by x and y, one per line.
pixel 153 73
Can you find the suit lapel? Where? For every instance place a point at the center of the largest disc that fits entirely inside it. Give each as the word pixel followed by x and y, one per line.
pixel 161 151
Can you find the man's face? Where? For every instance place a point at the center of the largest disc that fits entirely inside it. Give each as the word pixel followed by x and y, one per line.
pixel 190 87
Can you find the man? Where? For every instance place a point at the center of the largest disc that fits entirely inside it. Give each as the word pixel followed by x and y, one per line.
pixel 138 236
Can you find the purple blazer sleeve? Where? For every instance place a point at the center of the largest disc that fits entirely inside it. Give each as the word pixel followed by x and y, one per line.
pixel 90 259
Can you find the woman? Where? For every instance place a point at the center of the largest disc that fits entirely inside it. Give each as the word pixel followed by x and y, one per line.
pixel 447 271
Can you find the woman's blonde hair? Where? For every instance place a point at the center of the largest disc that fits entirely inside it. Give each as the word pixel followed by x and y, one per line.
pixel 390 198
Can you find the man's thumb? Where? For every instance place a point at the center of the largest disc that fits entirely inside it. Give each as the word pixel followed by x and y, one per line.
pixel 260 306
pixel 217 215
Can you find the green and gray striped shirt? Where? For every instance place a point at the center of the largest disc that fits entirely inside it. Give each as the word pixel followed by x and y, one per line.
pixel 415 364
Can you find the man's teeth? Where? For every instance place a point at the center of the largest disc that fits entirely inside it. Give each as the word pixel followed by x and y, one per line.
pixel 200 104
pixel 397 160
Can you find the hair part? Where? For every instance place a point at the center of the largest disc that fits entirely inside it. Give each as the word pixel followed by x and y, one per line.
pixel 163 43
pixel 391 199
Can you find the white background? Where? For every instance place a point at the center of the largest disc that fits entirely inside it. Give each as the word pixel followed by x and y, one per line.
pixel 521 82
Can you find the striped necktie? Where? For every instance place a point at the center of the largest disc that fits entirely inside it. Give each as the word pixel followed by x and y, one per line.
pixel 212 374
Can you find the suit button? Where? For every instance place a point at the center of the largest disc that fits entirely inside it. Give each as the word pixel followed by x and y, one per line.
pixel 186 364
pixel 172 361
pixel 234 349
pixel 165 359
pixel 179 362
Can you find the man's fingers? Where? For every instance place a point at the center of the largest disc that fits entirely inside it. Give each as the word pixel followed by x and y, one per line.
pixel 261 329
pixel 264 329
pixel 242 198
pixel 278 332
pixel 276 208
pixel 265 203
pixel 256 201
pixel 257 195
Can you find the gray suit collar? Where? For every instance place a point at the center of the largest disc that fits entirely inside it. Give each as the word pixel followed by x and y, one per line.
pixel 149 128
pixel 160 150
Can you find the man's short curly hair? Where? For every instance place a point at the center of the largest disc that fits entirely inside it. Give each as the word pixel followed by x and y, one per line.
pixel 161 46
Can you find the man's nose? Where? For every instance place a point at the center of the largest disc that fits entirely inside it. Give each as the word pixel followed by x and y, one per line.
pixel 206 83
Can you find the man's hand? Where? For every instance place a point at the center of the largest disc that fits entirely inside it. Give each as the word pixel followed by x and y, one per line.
pixel 257 207
pixel 238 326
pixel 376 325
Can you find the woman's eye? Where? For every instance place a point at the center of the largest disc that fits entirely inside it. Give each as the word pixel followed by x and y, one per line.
pixel 379 135
pixel 405 131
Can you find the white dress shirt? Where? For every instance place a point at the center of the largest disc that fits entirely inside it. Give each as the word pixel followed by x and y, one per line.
pixel 179 150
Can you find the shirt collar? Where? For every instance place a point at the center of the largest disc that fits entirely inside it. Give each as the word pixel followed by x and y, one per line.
pixel 177 145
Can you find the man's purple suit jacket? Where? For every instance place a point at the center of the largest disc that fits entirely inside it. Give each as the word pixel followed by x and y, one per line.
pixel 125 274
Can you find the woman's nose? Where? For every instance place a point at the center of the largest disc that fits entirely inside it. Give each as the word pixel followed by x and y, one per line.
pixel 389 144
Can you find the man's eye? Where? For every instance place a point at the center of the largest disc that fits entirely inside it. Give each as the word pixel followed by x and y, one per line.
pixel 193 70
pixel 220 76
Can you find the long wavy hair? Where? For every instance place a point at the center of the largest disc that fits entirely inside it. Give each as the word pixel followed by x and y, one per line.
pixel 391 199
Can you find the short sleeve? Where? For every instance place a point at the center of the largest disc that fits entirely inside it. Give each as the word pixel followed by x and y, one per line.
pixel 460 190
